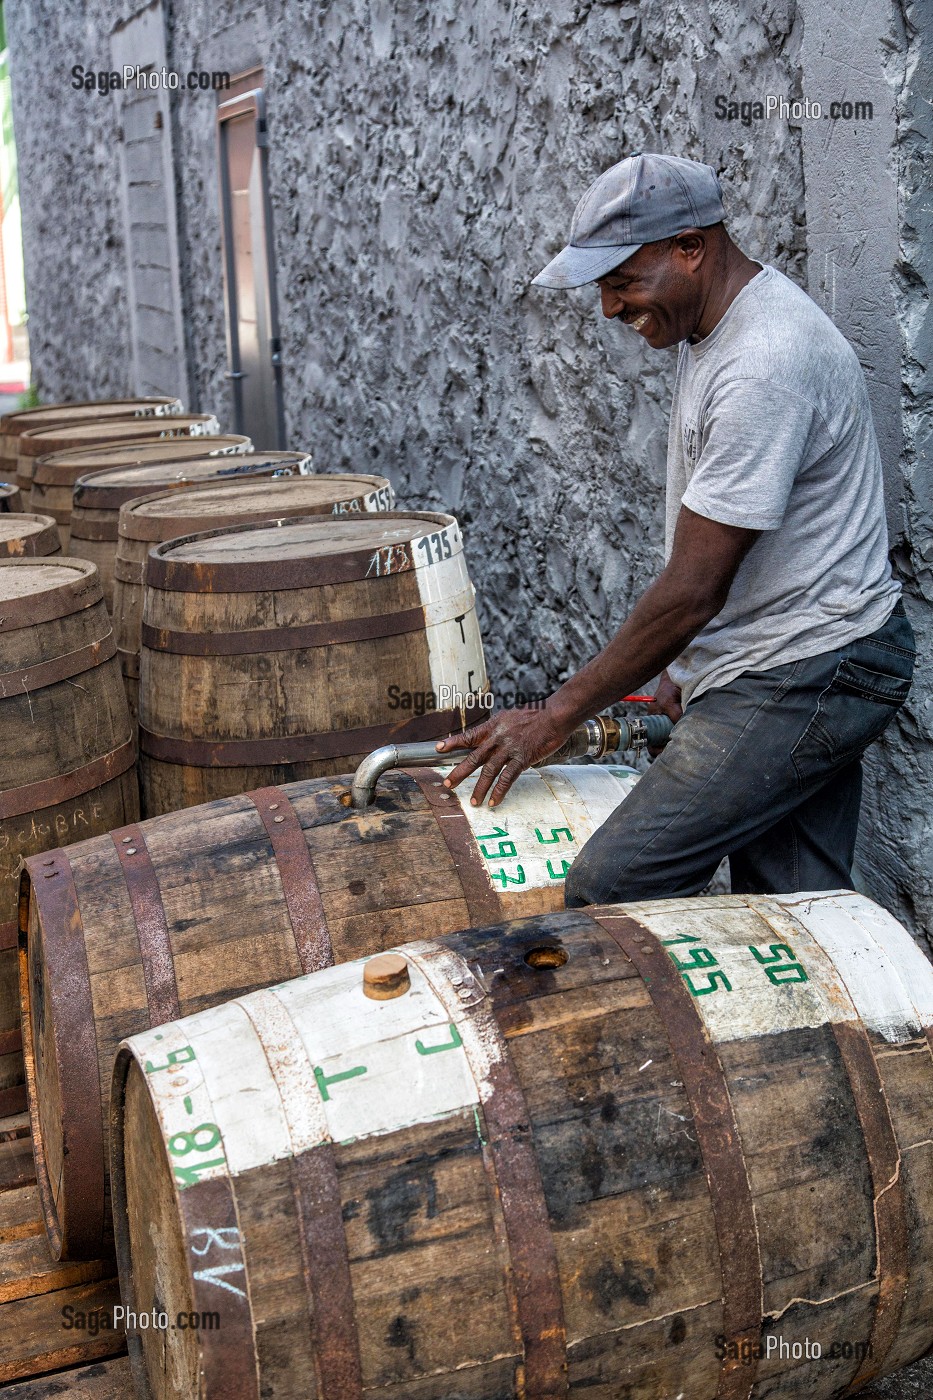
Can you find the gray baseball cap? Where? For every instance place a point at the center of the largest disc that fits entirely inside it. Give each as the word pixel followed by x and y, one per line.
pixel 641 200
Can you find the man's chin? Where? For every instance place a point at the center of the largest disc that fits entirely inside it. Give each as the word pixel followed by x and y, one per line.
pixel 661 341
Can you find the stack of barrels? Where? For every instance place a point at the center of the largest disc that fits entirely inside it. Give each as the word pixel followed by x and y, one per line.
pixel 340 1100
pixel 106 482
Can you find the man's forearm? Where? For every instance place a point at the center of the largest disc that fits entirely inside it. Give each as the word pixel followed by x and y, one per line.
pixel 662 623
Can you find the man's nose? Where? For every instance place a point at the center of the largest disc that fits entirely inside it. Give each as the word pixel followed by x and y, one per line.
pixel 612 302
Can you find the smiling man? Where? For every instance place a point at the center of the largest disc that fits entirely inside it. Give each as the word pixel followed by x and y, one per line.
pixel 776 625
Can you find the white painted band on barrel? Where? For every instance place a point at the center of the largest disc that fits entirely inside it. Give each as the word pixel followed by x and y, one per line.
pixel 210 428
pixel 764 964
pixel 455 648
pixel 443 611
pixel 370 502
pixel 730 956
pixel 888 977
pixel 159 410
pixel 232 449
pixel 313 1060
pixel 541 826
pixel 383 498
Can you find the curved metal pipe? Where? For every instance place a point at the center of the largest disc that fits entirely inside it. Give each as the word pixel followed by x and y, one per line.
pixel 592 739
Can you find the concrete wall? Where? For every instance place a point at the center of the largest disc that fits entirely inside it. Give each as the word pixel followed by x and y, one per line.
pixel 425 159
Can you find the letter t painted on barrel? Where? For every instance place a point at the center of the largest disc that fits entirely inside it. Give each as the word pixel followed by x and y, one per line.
pixel 323 1080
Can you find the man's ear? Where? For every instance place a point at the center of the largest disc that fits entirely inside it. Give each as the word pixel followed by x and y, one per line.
pixel 691 245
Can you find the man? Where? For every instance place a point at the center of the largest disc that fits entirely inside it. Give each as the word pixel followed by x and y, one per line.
pixel 776 624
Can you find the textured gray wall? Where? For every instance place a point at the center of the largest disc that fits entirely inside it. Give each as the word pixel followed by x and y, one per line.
pixel 869 225
pixel 70 195
pixel 425 159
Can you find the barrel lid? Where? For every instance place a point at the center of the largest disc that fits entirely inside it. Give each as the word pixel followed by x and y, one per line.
pixel 38 590
pixel 41 442
pixel 47 414
pixel 145 452
pixel 8 488
pixel 244 497
pixel 115 486
pixel 304 553
pixel 21 530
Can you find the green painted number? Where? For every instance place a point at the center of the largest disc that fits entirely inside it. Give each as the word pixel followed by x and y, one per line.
pixel 558 874
pixel 792 972
pixel 778 968
pixel 184 1056
pixel 517 879
pixel 189 1140
pixel 700 957
pixel 711 978
pixel 506 848
pixel 190 1176
pixel 683 938
pixel 453 1043
pixel 556 833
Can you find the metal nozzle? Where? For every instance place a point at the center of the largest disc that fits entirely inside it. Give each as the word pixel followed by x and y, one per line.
pixel 592 739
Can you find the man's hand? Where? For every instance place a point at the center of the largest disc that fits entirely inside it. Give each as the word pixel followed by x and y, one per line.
pixel 505 745
pixel 666 699
pixel 666 702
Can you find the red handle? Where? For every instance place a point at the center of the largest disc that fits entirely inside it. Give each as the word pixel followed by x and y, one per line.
pixel 638 699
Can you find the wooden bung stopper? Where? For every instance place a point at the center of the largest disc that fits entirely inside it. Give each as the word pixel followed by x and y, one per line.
pixel 386 976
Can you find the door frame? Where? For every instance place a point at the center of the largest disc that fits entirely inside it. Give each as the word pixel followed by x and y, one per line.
pixel 245 103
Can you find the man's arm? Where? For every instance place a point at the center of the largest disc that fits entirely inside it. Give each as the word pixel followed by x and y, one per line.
pixel 687 595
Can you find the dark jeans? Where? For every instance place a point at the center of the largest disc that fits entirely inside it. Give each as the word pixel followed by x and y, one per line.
pixel 766 770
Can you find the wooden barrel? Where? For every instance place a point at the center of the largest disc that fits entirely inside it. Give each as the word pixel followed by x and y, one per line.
pixel 127 931
pixel 98 496
pixel 161 453
pixel 657 1150
pixel 11 498
pixel 66 761
pixel 54 480
pixel 12 425
pixel 281 651
pixel 23 535
pixel 52 1314
pixel 165 515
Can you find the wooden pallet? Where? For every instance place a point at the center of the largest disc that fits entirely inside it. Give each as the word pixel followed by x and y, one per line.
pixel 42 1302
pixel 102 1380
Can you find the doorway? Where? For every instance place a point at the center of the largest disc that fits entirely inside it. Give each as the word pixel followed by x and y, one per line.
pixel 254 361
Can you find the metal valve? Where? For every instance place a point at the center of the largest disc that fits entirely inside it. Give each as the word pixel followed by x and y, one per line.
pixel 592 739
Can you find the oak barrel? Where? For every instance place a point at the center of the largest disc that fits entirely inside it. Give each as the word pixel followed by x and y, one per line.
pixel 280 651
pixel 165 515
pixel 183 911
pixel 11 498
pixel 98 496
pixel 54 480
pixel 50 1312
pixel 601 1153
pixel 13 425
pixel 23 535
pixel 66 761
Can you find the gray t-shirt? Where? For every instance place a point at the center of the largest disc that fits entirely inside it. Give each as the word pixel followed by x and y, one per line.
pixel 771 429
